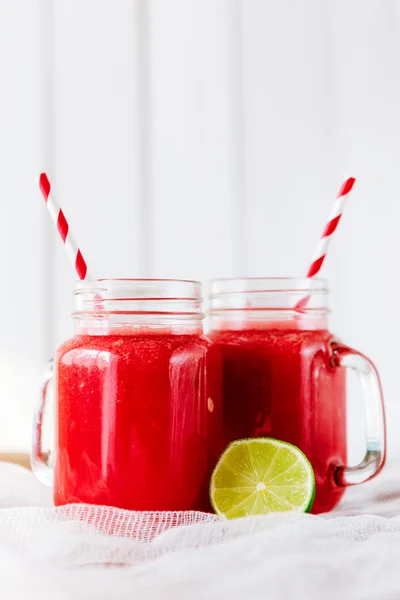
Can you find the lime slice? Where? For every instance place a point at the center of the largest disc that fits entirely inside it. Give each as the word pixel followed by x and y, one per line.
pixel 259 476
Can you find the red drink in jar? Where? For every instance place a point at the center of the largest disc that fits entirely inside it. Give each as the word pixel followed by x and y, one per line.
pixel 282 378
pixel 138 398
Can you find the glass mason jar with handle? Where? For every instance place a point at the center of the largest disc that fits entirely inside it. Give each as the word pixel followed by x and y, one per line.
pixel 137 399
pixel 284 377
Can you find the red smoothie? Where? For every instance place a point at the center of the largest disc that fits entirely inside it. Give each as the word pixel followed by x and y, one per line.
pixel 138 419
pixel 278 383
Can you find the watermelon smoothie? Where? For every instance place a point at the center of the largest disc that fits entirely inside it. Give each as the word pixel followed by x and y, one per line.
pixel 138 400
pixel 278 383
pixel 280 378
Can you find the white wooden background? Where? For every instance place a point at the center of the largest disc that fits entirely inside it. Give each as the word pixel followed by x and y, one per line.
pixel 195 138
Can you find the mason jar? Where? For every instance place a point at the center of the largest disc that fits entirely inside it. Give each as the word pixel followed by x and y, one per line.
pixel 137 399
pixel 284 376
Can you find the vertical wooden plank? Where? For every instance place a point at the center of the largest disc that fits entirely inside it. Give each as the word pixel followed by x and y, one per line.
pixel 47 137
pixel 98 168
pixel 236 139
pixel 21 220
pixel 289 186
pixel 191 120
pixel 143 116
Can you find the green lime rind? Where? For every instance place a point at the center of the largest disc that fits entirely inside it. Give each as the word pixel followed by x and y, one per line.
pixel 260 476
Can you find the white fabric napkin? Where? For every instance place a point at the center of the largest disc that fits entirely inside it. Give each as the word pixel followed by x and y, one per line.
pixel 98 553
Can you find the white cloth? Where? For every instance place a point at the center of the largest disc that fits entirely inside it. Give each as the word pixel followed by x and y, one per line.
pixel 86 553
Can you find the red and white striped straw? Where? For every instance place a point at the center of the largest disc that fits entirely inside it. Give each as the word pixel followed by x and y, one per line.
pixel 61 223
pixel 330 228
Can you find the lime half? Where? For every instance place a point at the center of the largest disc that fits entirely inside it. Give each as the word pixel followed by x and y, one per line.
pixel 259 476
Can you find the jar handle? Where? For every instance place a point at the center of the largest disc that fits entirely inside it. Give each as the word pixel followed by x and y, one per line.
pixel 40 460
pixel 375 455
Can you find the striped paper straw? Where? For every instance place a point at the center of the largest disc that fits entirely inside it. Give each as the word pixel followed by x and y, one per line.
pixel 326 238
pixel 333 221
pixel 61 223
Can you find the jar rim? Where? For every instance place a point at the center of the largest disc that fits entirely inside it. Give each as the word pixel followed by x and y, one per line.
pixel 267 297
pixel 132 279
pixel 266 285
pixel 138 299
pixel 140 288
